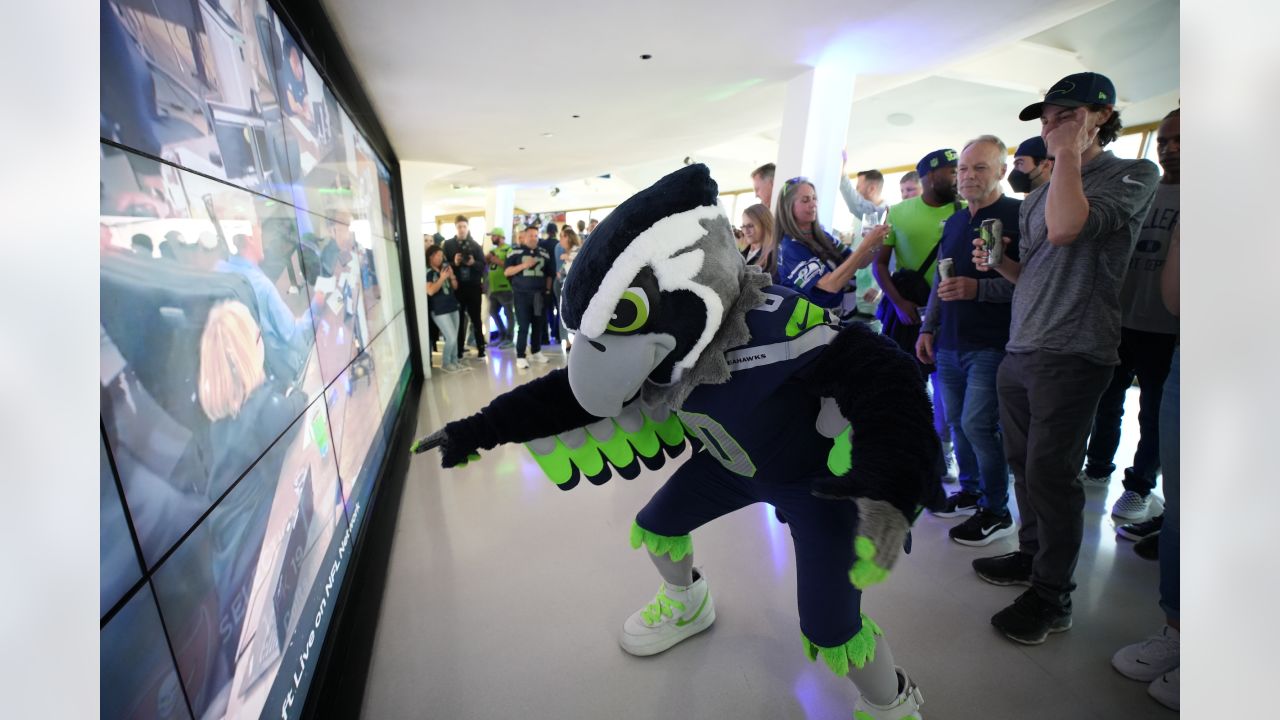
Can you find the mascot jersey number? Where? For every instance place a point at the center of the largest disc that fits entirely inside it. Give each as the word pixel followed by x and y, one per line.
pixel 678 341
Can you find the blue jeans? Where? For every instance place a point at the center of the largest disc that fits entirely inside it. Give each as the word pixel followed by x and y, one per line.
pixel 968 382
pixel 448 324
pixel 1171 530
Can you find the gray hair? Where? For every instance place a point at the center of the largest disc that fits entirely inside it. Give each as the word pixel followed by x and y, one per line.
pixel 992 139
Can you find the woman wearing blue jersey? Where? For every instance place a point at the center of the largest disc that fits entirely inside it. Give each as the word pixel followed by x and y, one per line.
pixel 810 260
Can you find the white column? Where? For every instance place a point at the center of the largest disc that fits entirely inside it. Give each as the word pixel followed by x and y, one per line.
pixel 414 177
pixel 499 210
pixel 815 124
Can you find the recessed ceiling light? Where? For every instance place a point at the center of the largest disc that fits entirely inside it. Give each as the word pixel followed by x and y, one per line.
pixel 577 116
pixel 645 56
pixel 519 148
pixel 900 119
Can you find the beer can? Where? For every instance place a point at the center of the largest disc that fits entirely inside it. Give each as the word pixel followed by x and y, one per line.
pixel 992 238
pixel 946 268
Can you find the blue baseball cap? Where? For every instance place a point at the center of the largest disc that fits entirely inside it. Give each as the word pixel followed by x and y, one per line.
pixel 936 159
pixel 1032 147
pixel 1078 90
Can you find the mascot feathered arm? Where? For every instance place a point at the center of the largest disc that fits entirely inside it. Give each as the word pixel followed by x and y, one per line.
pixel 886 459
pixel 538 408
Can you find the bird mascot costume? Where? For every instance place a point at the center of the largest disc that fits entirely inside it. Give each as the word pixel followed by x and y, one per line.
pixel 678 341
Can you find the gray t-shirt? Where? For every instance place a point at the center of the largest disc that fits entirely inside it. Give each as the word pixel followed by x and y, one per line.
pixel 1067 299
pixel 1140 298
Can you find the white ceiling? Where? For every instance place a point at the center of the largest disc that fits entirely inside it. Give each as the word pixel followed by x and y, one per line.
pixel 466 85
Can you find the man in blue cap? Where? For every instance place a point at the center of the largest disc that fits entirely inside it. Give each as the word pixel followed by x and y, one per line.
pixel 913 242
pixel 1031 166
pixel 1077 234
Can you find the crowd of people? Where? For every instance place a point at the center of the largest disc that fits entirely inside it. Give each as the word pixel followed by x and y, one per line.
pixel 1029 318
pixel 1029 350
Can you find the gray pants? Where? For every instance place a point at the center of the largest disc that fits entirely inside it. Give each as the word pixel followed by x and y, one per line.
pixel 1047 404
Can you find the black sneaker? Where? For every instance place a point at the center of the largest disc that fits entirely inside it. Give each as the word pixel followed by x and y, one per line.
pixel 1009 569
pixel 1137 531
pixel 961 503
pixel 1031 618
pixel 1148 548
pixel 983 528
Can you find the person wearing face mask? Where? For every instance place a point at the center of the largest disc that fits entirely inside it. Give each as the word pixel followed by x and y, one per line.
pixel 1077 235
pixel 1031 166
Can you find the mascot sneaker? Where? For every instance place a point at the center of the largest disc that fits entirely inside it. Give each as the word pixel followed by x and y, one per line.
pixel 674 615
pixel 904 707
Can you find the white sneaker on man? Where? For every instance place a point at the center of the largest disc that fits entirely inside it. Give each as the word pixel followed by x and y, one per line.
pixel 539 358
pixel 1166 688
pixel 1089 481
pixel 674 615
pixel 1131 506
pixel 904 707
pixel 1146 661
pixel 522 364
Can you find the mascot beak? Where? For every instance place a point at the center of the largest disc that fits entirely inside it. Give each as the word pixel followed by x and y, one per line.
pixel 606 372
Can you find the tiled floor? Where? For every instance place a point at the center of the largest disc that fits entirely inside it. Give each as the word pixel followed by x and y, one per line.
pixel 505 596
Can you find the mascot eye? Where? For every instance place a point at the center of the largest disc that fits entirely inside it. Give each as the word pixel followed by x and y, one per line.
pixel 632 311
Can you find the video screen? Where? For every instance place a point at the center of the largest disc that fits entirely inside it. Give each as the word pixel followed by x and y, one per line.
pixel 254 356
pixel 208 343
pixel 193 83
pixel 117 559
pixel 137 678
pixel 233 591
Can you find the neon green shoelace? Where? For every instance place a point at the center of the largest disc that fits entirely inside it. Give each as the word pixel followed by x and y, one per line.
pixel 662 606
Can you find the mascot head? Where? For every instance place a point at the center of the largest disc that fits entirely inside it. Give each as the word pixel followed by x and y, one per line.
pixel 650 290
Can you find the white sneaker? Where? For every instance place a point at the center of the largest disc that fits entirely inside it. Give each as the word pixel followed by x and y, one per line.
pixel 1165 689
pixel 1131 506
pixel 539 358
pixel 522 364
pixel 451 369
pixel 953 468
pixel 1089 481
pixel 904 707
pixel 1148 660
pixel 674 615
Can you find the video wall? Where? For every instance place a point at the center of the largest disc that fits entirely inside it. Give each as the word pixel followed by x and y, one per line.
pixel 254 355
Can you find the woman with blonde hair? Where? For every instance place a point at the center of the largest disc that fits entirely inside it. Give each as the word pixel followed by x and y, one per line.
pixel 810 260
pixel 234 393
pixel 762 244
pixel 569 245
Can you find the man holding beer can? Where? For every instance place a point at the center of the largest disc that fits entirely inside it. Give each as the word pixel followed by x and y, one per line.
pixel 964 333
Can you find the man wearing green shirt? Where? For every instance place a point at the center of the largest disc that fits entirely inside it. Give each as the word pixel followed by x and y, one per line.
pixel 916 230
pixel 500 293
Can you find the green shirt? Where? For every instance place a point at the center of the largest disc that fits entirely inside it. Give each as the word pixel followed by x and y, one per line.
pixel 498 281
pixel 917 228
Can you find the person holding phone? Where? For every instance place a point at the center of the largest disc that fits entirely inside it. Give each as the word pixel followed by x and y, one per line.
pixel 441 284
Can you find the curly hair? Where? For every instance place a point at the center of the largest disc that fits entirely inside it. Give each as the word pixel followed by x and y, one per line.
pixel 1109 130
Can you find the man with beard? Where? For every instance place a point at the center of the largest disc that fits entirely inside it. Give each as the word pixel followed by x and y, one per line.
pixel 913 240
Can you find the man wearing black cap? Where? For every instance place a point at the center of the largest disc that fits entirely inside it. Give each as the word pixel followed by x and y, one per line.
pixel 1077 234
pixel 1031 166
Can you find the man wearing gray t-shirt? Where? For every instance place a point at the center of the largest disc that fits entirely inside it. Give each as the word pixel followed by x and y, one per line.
pixel 1148 334
pixel 1077 234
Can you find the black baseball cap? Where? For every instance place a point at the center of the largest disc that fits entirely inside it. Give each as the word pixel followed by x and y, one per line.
pixel 1080 89
pixel 1032 147
pixel 945 157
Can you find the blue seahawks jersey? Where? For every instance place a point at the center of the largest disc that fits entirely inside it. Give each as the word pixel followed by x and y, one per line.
pixel 762 422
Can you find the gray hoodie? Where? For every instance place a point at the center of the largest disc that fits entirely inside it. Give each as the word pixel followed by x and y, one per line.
pixel 1067 299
